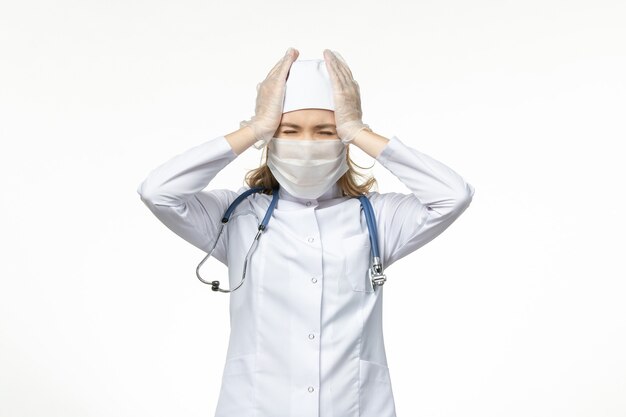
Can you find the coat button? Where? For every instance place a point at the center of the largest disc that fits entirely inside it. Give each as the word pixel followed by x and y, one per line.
pixel 313 280
pixel 311 389
pixel 308 203
pixel 311 239
pixel 311 336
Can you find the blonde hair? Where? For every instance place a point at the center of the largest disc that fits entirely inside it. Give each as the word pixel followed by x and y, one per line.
pixel 348 183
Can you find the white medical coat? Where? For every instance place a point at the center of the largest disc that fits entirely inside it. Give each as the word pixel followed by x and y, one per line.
pixel 306 334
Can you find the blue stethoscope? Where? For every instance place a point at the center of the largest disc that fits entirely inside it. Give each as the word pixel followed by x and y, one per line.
pixel 376 272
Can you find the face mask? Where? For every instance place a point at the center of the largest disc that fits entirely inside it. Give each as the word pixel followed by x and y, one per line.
pixel 307 168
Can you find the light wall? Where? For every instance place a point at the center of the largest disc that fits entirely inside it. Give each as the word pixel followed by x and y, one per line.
pixel 516 310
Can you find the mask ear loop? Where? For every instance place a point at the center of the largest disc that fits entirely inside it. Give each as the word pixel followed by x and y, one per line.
pixel 264 152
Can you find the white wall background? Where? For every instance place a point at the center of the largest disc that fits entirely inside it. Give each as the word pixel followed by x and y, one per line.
pixel 517 310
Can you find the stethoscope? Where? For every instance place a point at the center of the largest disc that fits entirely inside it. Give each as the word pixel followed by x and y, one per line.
pixel 376 272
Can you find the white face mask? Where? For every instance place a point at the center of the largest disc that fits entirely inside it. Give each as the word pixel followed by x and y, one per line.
pixel 307 168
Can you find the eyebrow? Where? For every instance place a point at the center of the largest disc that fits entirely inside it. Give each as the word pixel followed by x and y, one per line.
pixel 320 126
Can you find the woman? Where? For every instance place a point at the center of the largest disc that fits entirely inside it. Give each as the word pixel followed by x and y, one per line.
pixel 306 326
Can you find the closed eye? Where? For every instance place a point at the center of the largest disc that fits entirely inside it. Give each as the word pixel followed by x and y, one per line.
pixel 293 131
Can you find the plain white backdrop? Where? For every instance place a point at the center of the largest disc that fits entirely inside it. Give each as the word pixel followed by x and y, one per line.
pixel 517 310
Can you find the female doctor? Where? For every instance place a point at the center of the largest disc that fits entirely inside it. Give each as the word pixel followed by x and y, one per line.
pixel 306 324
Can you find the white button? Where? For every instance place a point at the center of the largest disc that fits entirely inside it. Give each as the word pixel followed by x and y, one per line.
pixel 311 239
pixel 311 389
pixel 313 280
pixel 308 203
pixel 311 336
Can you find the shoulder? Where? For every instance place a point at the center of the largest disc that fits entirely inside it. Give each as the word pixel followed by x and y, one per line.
pixel 257 199
pixel 379 198
pixel 392 201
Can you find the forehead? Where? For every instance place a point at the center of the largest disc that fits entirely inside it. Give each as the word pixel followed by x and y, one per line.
pixel 308 116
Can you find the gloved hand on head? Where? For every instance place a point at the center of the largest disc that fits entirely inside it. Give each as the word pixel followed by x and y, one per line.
pixel 269 101
pixel 346 97
pixel 314 83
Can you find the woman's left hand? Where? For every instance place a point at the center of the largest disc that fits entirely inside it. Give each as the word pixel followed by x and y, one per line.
pixel 346 97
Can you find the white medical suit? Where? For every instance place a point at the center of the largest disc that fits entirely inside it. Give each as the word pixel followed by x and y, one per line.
pixel 306 334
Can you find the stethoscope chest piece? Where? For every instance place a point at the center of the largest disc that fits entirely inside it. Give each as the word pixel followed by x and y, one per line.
pixel 377 276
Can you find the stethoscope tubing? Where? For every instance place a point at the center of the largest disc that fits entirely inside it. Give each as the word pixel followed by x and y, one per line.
pixel 376 272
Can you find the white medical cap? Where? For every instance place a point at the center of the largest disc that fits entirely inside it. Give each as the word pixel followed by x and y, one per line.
pixel 308 86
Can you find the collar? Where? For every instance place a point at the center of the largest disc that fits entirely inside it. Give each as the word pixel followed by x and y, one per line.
pixel 333 192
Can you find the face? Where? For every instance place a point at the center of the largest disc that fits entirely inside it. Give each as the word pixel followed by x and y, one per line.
pixel 307 124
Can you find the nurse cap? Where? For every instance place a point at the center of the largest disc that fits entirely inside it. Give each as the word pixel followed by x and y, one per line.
pixel 308 86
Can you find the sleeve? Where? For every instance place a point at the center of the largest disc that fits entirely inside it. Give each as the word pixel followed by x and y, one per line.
pixel 173 192
pixel 406 222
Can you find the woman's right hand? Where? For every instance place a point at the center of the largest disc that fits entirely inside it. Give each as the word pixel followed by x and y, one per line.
pixel 270 100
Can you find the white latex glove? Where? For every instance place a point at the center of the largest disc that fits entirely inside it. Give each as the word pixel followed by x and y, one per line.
pixel 346 96
pixel 269 101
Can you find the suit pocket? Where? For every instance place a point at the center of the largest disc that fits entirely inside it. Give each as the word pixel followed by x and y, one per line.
pixel 357 262
pixel 375 393
pixel 236 394
pixel 240 364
